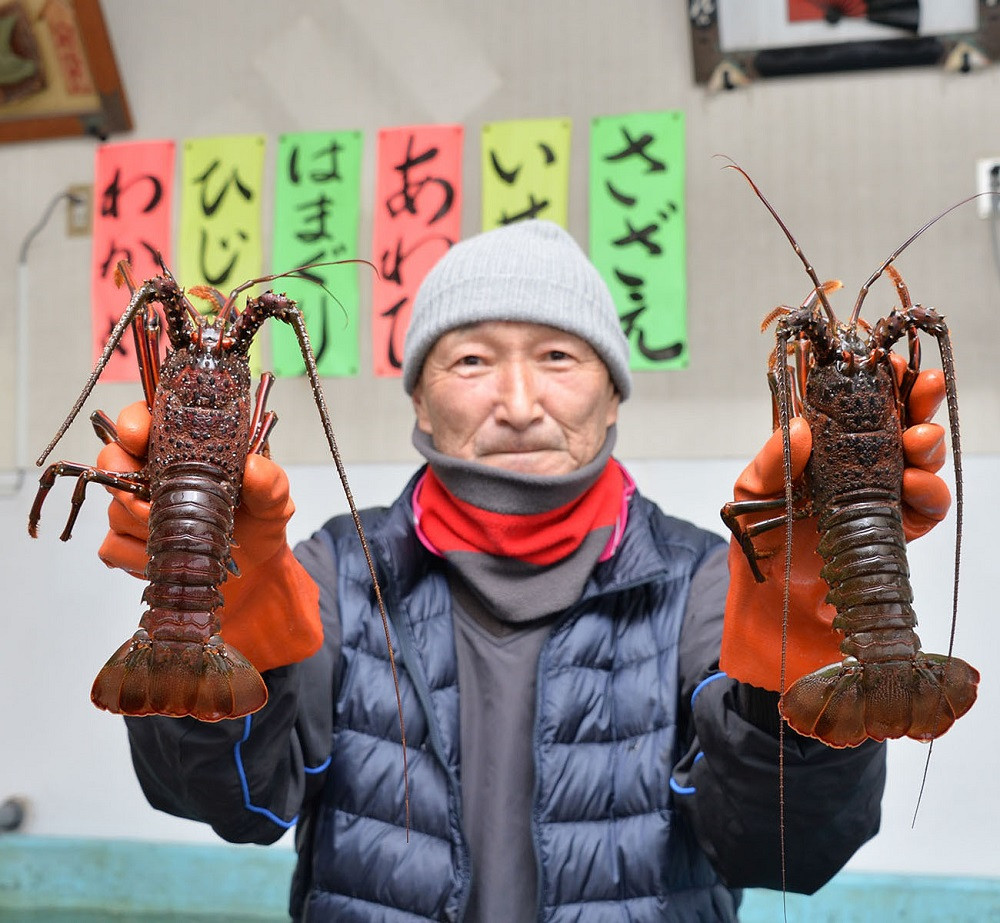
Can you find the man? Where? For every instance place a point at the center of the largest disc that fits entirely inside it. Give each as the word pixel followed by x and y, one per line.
pixel 574 750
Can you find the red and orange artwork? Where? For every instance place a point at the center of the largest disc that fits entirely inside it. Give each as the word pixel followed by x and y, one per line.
pixel 830 10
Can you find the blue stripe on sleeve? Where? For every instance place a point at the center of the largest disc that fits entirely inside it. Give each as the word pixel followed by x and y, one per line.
pixel 679 789
pixel 708 679
pixel 675 786
pixel 320 768
pixel 244 785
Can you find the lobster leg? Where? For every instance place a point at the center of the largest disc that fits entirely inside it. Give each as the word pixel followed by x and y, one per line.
pixel 85 474
pixel 263 433
pixel 262 421
pixel 744 535
pixel 104 426
pixel 146 333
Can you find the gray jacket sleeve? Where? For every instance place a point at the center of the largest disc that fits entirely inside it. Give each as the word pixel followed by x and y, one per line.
pixel 727 781
pixel 250 777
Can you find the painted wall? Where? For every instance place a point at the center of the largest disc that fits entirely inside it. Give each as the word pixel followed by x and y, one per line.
pixel 854 163
pixel 71 761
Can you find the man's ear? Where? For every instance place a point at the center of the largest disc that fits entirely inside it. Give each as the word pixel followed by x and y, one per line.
pixel 419 408
pixel 613 405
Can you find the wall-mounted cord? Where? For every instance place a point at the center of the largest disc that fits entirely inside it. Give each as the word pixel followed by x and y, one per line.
pixel 44 220
pixel 13 484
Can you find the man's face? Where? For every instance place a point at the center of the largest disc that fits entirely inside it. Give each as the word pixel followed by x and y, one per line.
pixel 519 396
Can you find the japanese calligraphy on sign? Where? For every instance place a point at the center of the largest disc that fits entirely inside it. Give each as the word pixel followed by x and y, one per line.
pixel 637 230
pixel 417 218
pixel 220 230
pixel 316 216
pixel 525 171
pixel 133 184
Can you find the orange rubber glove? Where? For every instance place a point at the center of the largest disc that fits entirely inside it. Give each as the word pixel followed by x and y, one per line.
pixel 751 637
pixel 271 611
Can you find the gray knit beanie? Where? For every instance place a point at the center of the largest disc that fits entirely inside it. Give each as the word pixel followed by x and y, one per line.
pixel 526 271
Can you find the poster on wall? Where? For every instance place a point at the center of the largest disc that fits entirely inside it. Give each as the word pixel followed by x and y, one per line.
pixel 219 244
pixel 637 230
pixel 317 208
pixel 734 42
pixel 525 164
pixel 58 75
pixel 134 184
pixel 417 218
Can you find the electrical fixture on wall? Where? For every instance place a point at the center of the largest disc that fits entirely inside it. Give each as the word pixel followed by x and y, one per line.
pixel 79 210
pixel 988 180
pixel 988 203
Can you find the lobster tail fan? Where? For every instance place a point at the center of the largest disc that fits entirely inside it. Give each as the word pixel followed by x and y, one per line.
pixel 944 689
pixel 146 677
pixel 827 705
pixel 845 704
pixel 900 14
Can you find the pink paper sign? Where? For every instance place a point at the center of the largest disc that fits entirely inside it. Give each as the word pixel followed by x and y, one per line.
pixel 417 218
pixel 133 189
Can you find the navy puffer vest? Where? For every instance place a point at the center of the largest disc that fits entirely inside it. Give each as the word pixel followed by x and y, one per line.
pixel 609 843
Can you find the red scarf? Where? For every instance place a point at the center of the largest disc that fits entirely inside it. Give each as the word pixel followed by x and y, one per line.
pixel 445 523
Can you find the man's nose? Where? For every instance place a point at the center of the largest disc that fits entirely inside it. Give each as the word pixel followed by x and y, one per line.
pixel 518 398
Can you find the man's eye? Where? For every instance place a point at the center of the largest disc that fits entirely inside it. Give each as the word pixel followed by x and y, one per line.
pixel 470 360
pixel 557 355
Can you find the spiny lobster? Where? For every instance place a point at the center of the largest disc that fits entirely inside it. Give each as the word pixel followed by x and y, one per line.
pixel 844 386
pixel 201 433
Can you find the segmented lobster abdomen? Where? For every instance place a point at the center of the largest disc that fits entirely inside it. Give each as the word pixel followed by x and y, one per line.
pixel 866 568
pixel 176 663
pixel 190 529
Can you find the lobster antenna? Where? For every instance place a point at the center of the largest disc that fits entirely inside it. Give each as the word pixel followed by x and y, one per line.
pixel 951 397
pixel 138 302
pixel 786 455
pixel 856 313
pixel 298 271
pixel 294 318
pixel 732 165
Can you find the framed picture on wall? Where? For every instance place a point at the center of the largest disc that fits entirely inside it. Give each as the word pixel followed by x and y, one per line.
pixel 58 75
pixel 734 42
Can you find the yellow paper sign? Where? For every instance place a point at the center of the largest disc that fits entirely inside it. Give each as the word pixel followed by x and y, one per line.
pixel 525 171
pixel 220 222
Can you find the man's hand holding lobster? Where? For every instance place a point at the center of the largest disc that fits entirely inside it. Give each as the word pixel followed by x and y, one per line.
pixel 752 632
pixel 271 611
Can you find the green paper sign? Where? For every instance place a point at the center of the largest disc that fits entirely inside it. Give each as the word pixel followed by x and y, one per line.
pixel 637 230
pixel 316 216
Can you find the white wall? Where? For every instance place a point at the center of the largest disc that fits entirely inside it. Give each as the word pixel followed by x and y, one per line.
pixel 67 614
pixel 854 162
